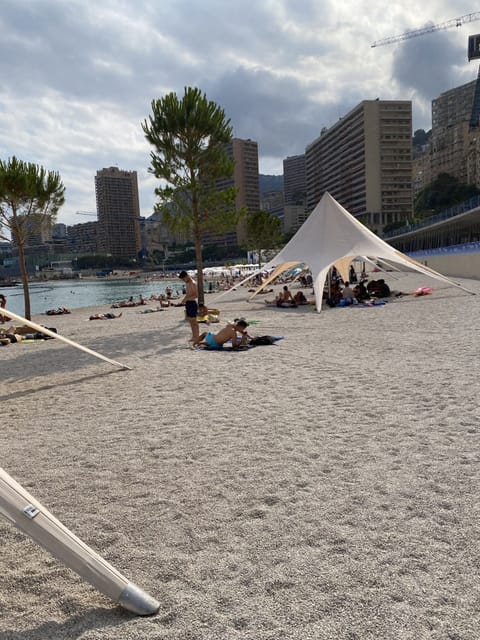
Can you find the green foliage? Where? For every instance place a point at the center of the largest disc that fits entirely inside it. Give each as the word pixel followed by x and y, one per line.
pixel 263 232
pixel 421 137
pixel 444 192
pixel 189 136
pixel 270 183
pixel 30 197
pixel 391 226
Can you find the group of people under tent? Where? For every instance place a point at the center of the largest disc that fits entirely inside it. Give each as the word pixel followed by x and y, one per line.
pixel 344 294
pixel 285 298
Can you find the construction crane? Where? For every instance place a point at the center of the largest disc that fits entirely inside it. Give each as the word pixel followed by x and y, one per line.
pixel 455 22
pixel 86 213
pixel 473 53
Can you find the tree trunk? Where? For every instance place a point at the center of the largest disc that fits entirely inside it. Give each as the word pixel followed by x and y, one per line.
pixel 197 239
pixel 199 262
pixel 24 276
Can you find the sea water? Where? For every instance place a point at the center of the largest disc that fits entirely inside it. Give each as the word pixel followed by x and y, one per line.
pixel 74 294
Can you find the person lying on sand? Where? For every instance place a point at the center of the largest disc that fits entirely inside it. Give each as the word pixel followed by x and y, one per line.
pixel 161 299
pixel 9 338
pixel 17 334
pixel 104 316
pixel 57 312
pixel 231 331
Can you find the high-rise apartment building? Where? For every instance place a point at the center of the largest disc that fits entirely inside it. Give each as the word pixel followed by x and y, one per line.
pixel 83 237
pixel 246 180
pixel 451 135
pixel 59 231
pixel 272 202
pixel 295 193
pixel 365 162
pixel 118 211
pixel 293 217
pixel 455 142
pixel 294 180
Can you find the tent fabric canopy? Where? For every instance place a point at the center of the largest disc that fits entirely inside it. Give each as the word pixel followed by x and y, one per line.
pixel 331 236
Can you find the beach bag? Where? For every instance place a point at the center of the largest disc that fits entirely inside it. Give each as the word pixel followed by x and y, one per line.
pixel 259 340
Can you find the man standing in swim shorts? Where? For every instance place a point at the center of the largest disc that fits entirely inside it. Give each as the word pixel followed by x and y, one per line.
pixel 190 302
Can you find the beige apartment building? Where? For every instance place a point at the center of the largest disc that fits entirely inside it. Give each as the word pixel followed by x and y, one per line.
pixel 294 184
pixel 246 180
pixel 455 144
pixel 295 193
pixel 84 237
pixel 294 215
pixel 118 211
pixel 421 172
pixel 365 162
pixel 451 137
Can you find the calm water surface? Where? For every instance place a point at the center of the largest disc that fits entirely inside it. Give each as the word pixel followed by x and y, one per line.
pixel 74 294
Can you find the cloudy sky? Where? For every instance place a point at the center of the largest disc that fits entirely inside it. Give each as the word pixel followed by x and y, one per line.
pixel 78 76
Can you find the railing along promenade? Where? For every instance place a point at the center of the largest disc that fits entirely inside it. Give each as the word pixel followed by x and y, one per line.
pixel 456 210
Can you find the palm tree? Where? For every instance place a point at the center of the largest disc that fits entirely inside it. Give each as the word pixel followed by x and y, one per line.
pixel 190 136
pixel 30 197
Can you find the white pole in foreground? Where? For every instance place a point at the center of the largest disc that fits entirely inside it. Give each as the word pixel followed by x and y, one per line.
pixel 52 334
pixel 38 523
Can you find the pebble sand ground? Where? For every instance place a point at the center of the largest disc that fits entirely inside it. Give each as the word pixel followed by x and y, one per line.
pixel 322 488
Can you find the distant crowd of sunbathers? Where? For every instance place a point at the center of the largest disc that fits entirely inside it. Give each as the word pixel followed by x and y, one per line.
pixel 165 300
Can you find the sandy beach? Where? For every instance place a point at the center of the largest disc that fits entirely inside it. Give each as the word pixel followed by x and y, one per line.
pixel 325 487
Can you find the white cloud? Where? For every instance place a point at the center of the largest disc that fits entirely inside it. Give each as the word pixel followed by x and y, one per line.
pixel 78 77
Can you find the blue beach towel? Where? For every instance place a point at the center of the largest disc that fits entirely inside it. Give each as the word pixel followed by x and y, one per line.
pixel 245 347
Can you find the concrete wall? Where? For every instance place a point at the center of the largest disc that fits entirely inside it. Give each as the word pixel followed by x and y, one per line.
pixel 465 265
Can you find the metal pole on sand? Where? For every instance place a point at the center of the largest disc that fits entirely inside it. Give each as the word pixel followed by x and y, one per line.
pixel 52 334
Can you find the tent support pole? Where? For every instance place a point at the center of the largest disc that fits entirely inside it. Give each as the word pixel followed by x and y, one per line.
pixel 52 334
pixel 31 517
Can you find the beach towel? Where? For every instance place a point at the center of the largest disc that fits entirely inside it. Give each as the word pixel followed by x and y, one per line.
pixel 264 340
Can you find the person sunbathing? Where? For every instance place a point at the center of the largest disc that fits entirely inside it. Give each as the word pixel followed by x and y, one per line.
pixel 284 298
pixel 10 336
pixel 300 298
pixel 204 314
pixel 57 312
pixel 19 333
pixel 234 331
pixel 104 316
pixel 125 303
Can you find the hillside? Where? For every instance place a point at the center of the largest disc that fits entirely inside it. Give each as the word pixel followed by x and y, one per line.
pixel 270 183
